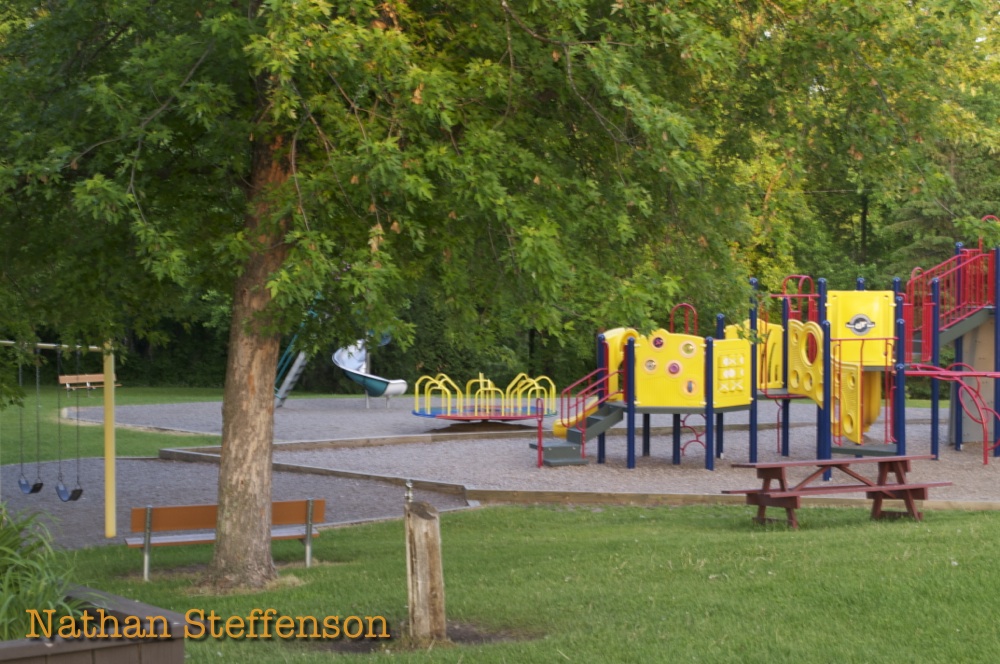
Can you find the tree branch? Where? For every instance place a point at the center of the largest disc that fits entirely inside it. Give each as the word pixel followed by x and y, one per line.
pixel 549 40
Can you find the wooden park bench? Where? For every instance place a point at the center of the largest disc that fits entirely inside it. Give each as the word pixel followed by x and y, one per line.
pixel 83 381
pixel 290 519
pixel 890 483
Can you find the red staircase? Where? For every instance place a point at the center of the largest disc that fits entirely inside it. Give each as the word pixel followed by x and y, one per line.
pixel 966 289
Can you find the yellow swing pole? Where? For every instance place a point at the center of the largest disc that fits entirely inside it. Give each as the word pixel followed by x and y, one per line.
pixel 110 514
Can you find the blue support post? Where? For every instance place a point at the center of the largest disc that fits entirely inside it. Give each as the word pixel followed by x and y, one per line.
pixel 859 284
pixel 824 411
pixel 996 349
pixel 821 290
pixel 720 445
pixel 720 333
pixel 786 403
pixel 709 404
pixel 630 400
pixel 898 423
pixel 901 412
pixel 825 438
pixel 601 364
pixel 677 439
pixel 899 402
pixel 935 383
pixel 753 371
pixel 645 434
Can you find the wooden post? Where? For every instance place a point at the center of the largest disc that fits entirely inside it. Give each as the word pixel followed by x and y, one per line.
pixel 424 573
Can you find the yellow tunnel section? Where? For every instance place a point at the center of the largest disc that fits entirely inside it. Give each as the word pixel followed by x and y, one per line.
pixel 770 339
pixel 862 346
pixel 670 370
pixel 670 367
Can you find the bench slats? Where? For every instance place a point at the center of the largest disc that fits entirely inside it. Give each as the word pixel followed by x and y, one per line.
pixel 176 517
pixel 840 488
pixel 204 517
pixel 292 518
pixel 843 461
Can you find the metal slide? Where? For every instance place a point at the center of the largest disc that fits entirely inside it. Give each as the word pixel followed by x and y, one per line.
pixel 290 368
pixel 353 361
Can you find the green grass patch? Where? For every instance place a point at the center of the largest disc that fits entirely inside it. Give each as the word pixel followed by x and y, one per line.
pixel 943 404
pixel 19 433
pixel 628 585
pixel 36 431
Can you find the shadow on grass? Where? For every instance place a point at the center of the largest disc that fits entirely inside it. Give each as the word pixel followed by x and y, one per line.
pixel 459 634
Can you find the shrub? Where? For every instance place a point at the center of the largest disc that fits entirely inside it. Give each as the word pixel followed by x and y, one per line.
pixel 31 575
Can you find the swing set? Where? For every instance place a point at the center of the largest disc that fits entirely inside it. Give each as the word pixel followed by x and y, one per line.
pixel 63 490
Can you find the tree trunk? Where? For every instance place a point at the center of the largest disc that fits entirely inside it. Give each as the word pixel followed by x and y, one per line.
pixel 243 545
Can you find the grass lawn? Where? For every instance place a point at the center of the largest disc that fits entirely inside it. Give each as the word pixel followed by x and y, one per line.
pixel 19 431
pixel 129 442
pixel 594 585
pixel 627 585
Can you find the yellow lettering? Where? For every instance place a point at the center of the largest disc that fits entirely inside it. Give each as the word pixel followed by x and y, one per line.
pixel 194 618
pixel 213 620
pixel 302 627
pixel 68 628
pixel 371 631
pixel 164 632
pixel 331 627
pixel 46 624
pixel 255 613
pixel 269 614
pixel 235 627
pixel 347 631
pixel 105 620
pixel 86 618
pixel 133 628
pixel 279 627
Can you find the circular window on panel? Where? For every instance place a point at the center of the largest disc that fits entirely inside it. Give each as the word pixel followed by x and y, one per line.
pixel 688 349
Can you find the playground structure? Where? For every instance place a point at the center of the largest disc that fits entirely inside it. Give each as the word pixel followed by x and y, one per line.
pixel 353 360
pixel 66 494
pixel 849 352
pixel 524 398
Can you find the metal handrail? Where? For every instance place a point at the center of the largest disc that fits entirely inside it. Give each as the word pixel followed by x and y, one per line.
pixel 573 407
pixel 966 287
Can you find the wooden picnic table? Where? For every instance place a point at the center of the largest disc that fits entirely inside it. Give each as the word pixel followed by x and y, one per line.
pixel 889 483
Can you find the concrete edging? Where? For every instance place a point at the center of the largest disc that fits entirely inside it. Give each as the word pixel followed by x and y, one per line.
pixel 476 496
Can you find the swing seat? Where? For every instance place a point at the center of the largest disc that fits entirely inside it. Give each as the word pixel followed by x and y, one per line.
pixel 66 495
pixel 27 487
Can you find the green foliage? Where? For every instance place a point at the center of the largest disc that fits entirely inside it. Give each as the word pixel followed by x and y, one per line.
pixel 32 576
pixel 556 168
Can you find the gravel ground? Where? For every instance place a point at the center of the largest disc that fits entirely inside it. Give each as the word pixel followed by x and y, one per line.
pixel 508 464
pixel 352 438
pixel 142 482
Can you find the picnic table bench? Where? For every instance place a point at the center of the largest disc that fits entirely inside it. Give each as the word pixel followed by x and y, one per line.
pixel 83 381
pixel 290 519
pixel 889 483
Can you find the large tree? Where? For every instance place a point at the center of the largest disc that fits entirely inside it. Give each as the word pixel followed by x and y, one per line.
pixel 553 166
